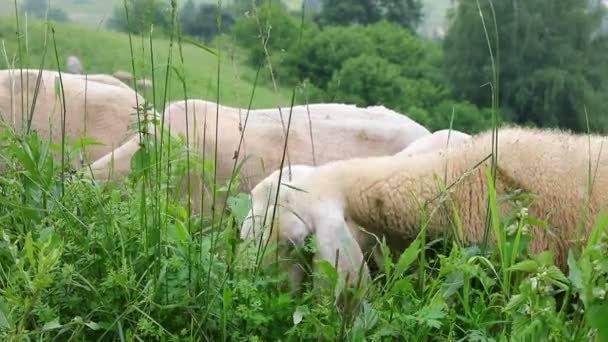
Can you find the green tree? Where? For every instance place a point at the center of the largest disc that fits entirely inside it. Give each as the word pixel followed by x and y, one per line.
pixel 268 26
pixel 406 13
pixel 551 59
pixel 41 9
pixel 324 53
pixel 202 21
pixel 368 80
pixel 142 15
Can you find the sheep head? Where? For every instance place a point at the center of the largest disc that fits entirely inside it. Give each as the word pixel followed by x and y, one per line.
pixel 300 210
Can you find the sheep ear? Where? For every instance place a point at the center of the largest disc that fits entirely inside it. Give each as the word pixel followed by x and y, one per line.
pixel 335 240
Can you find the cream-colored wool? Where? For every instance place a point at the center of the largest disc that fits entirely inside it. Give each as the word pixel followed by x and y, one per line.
pixel 106 116
pixel 106 79
pixel 338 132
pixel 444 138
pixel 384 194
pixel 264 192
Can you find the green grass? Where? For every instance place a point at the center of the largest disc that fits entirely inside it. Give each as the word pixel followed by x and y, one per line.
pixel 105 52
pixel 126 261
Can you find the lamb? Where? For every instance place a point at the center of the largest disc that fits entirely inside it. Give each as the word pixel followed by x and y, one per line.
pixel 123 75
pixel 265 193
pixel 385 194
pixel 261 211
pixel 73 65
pixel 338 132
pixel 99 110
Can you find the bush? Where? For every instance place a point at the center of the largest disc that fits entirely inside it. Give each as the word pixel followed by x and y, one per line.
pixel 201 21
pixel 268 25
pixel 142 15
pixel 39 9
pixel 323 53
pixel 367 80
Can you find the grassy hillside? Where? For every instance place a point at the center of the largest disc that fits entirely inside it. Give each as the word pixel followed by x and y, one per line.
pixel 105 52
pixel 95 13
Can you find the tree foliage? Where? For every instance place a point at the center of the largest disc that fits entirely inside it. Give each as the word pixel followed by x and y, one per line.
pixel 143 14
pixel 268 26
pixel 41 9
pixel 551 59
pixel 202 21
pixel 407 13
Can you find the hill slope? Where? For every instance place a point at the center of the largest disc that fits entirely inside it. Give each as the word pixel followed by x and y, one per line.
pixel 95 13
pixel 105 52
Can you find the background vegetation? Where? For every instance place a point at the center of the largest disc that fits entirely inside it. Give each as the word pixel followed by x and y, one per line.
pixel 127 261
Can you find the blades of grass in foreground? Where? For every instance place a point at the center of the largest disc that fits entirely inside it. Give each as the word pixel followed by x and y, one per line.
pixel 63 113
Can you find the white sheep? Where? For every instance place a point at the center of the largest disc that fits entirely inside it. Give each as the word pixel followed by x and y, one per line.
pixel 439 139
pixel 73 65
pixel 264 193
pixel 318 134
pixel 385 194
pixel 101 110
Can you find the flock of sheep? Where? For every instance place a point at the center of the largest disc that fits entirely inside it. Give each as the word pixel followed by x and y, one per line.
pixel 351 175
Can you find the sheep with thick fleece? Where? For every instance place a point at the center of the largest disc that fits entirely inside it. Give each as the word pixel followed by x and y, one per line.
pixel 385 194
pixel 101 110
pixel 439 139
pixel 104 78
pixel 318 134
pixel 264 193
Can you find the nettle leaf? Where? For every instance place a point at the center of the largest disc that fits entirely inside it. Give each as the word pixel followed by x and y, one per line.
pixel 4 323
pixel 86 141
pixel 178 232
pixel 453 282
pixel 299 314
pixel 328 270
pixel 575 275
pixel 140 160
pixel 408 257
pixel 29 249
pixel 54 324
pixel 525 266
pixel 239 206
pixel 597 317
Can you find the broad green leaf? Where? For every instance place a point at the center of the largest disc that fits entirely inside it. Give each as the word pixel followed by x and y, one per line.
pixel 597 317
pixel 29 249
pixel 4 323
pixel 575 274
pixel 407 257
pixel 54 324
pixel 525 266
pixel 299 313
pixel 239 206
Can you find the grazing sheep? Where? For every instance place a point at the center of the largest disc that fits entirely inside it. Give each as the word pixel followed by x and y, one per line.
pixel 261 211
pixel 338 132
pixel 107 79
pixel 73 65
pixel 123 75
pixel 439 139
pixel 264 193
pixel 144 83
pixel 106 117
pixel 385 194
